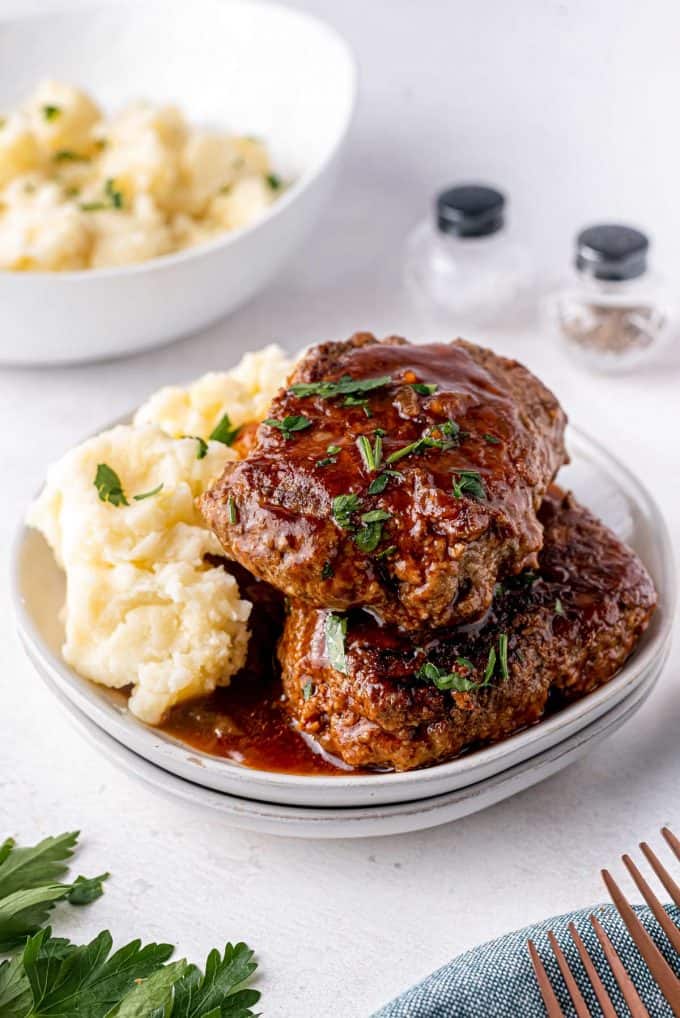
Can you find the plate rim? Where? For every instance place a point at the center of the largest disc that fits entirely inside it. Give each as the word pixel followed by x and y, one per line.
pixel 281 819
pixel 263 784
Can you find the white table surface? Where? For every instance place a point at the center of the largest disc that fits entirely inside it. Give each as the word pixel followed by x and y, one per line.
pixel 560 109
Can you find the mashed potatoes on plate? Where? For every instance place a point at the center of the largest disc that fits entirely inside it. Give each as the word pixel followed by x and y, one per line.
pixel 145 607
pixel 81 191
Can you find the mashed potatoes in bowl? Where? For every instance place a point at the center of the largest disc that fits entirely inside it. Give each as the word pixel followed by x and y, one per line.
pixel 79 190
pixel 147 606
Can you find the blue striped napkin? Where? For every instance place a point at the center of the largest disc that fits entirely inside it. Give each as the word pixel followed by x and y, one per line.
pixel 497 980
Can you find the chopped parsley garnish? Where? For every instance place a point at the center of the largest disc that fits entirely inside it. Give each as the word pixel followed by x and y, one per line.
pixel 307 690
pixel 469 482
pixel 224 432
pixel 273 181
pixel 332 450
pixel 456 681
pixel 327 461
pixel 369 536
pixel 109 486
pixel 336 630
pixel 345 386
pixel 327 572
pixel 387 551
pixel 148 494
pixel 232 510
pixel 113 199
pixel 503 654
pixel 343 507
pixel 379 483
pixel 289 425
pixel 370 454
pixel 424 388
pixel 490 666
pixel 67 155
pixel 202 450
pixel 440 436
pixel 51 112
pixel 491 439
pixel 559 607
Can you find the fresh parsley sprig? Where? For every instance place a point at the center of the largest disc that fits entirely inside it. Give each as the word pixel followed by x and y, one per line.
pixel 51 977
pixel 110 488
pixel 469 482
pixel 29 889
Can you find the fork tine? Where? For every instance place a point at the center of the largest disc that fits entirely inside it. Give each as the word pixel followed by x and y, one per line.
pixel 662 917
pixel 603 997
pixel 574 992
pixel 630 994
pixel 672 840
pixel 658 966
pixel 661 872
pixel 549 999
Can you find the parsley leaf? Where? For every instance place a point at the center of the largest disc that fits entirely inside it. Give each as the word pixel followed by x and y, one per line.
pixel 232 510
pixel 342 509
pixel 224 432
pixel 346 386
pixel 336 630
pixel 148 494
pixel 289 425
pixel 109 486
pixel 369 536
pixel 440 436
pixel 469 482
pixel 503 654
pixel 307 690
pixel 491 439
pixel 379 483
pixel 456 681
pixel 424 388
pixel 274 181
pixel 216 993
pixel 28 890
pixel 51 112
pixel 89 980
pixel 202 450
pixel 370 454
pixel 67 155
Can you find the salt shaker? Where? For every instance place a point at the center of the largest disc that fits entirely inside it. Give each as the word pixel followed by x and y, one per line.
pixel 613 313
pixel 460 266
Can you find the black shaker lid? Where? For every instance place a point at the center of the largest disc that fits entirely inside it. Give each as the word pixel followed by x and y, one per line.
pixel 611 251
pixel 470 210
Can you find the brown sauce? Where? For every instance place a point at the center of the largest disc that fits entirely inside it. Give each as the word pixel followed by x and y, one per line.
pixel 247 724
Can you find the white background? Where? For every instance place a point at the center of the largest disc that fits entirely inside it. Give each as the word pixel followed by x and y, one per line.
pixel 571 107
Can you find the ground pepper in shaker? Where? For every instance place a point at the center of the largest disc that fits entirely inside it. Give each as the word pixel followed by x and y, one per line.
pixel 614 313
pixel 461 268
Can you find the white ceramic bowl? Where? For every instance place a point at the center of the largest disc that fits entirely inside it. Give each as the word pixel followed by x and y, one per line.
pixel 597 479
pixel 257 68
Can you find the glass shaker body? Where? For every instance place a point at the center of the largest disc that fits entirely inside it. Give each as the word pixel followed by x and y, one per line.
pixel 466 281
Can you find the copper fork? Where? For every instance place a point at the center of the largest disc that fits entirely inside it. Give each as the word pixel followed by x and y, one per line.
pixel 666 979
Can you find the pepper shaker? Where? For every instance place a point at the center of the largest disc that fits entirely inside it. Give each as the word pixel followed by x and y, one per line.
pixel 613 313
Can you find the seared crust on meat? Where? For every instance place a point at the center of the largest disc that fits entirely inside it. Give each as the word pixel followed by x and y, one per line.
pixel 569 628
pixel 441 545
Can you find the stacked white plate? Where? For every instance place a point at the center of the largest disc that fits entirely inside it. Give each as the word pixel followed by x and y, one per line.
pixel 329 806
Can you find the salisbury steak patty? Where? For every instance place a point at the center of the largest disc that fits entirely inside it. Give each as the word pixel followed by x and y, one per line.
pixel 403 478
pixel 373 698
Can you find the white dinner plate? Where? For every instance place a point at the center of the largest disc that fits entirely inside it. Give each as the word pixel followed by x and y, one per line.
pixel 597 479
pixel 366 821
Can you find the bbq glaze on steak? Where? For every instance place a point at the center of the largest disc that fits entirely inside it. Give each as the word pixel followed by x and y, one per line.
pixel 569 627
pixel 470 442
